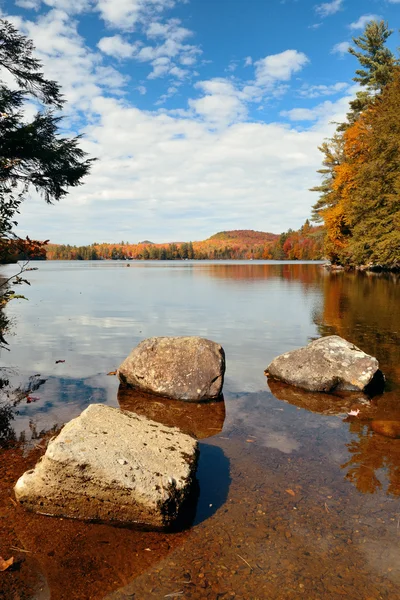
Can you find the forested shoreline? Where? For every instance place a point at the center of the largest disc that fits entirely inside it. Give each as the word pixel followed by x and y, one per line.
pixel 304 244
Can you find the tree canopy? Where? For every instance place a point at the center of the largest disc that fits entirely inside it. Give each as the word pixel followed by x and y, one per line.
pixel 359 199
pixel 33 154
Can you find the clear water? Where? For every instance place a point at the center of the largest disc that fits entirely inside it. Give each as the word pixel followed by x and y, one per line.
pixel 296 497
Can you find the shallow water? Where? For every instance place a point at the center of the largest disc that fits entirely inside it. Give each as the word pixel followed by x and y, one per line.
pixel 296 497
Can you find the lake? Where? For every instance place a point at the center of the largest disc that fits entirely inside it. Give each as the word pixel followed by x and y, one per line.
pixel 296 496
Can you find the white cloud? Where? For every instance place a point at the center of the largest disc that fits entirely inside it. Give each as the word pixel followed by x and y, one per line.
pixel 164 175
pixel 219 109
pixel 279 66
pixel 363 20
pixel 167 56
pixel 341 48
pixel 126 13
pixel 308 114
pixel 116 46
pixel 248 61
pixel 314 91
pixel 328 111
pixel 67 59
pixel 329 8
pixel 171 30
pixel 69 6
pixel 29 4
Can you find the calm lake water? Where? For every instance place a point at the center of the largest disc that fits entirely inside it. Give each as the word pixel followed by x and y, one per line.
pixel 296 497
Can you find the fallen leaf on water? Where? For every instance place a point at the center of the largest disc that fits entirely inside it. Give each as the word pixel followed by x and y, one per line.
pixel 112 373
pixel 4 564
pixel 30 399
pixel 290 492
pixel 354 413
pixel 59 361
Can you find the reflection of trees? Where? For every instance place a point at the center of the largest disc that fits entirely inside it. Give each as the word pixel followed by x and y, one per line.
pixel 7 433
pixel 307 274
pixel 364 308
pixel 369 453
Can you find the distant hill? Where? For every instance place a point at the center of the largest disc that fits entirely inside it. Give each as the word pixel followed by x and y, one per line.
pixel 146 242
pixel 246 236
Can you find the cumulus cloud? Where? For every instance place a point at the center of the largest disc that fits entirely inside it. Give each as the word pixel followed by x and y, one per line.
pixel 341 48
pixel 29 4
pixel 117 46
pixel 159 174
pixel 279 67
pixel 70 6
pixel 329 8
pixel 126 13
pixel 205 179
pixel 363 20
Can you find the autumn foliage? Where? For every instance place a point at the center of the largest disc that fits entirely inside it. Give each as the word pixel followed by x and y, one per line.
pixel 359 200
pixel 305 244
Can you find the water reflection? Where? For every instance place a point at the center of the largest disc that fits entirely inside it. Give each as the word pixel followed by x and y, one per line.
pixel 318 402
pixel 374 462
pixel 375 458
pixel 364 308
pixel 201 420
pixel 333 536
pixel 308 274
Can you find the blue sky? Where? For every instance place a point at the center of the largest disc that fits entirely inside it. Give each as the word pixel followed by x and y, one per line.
pixel 205 115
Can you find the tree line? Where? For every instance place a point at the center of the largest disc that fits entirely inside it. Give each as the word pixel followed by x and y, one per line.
pixel 304 244
pixel 359 202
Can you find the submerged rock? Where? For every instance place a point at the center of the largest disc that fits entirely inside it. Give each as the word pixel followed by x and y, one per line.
pixel 330 363
pixel 340 403
pixel 112 465
pixel 387 428
pixel 201 420
pixel 184 368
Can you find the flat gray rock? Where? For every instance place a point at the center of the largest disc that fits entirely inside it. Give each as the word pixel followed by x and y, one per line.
pixel 328 364
pixel 113 465
pixel 183 368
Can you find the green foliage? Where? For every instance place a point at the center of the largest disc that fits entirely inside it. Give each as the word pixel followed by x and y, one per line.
pixel 32 153
pixel 376 60
pixel 359 193
pixel 374 207
pixel 333 156
pixel 33 156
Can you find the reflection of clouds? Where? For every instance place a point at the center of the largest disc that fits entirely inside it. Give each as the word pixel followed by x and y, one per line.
pixel 93 313
pixel 253 414
pixel 60 400
pixel 91 321
pixel 281 441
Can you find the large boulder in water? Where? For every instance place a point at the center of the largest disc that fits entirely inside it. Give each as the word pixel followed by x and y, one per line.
pixel 113 465
pixel 184 368
pixel 327 364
